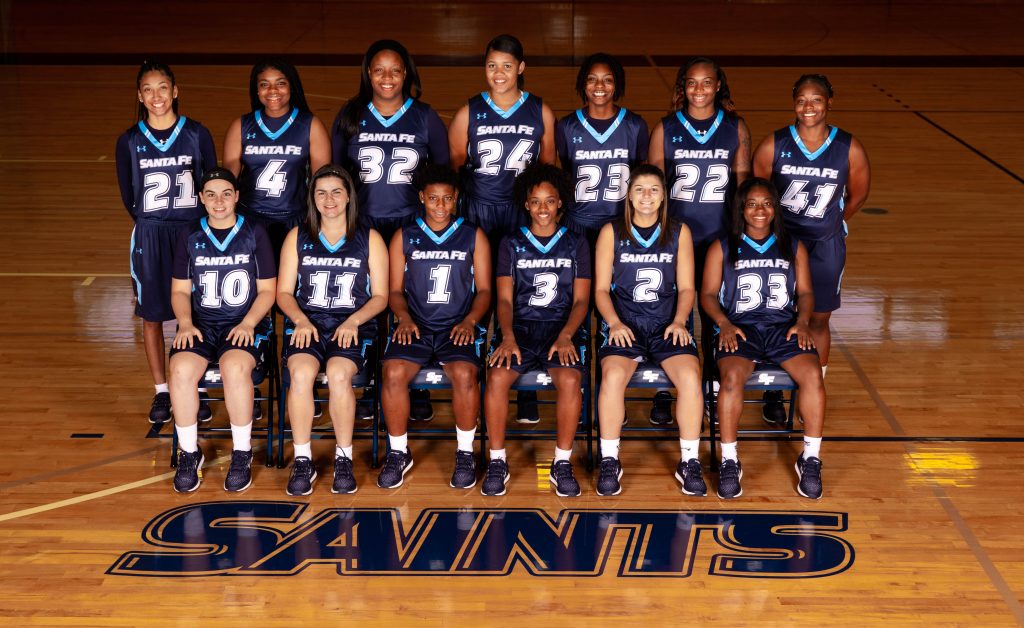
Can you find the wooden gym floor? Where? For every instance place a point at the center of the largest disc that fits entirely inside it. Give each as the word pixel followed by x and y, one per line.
pixel 919 523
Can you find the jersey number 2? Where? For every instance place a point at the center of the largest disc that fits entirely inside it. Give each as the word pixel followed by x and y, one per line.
pixel 159 183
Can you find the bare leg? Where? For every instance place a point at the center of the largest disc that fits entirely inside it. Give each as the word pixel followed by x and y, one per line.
pixel 186 370
pixel 615 373
pixel 340 372
pixel 568 405
pixel 236 370
pixel 465 393
pixel 821 334
pixel 734 372
pixel 153 339
pixel 684 371
pixel 499 381
pixel 394 394
pixel 303 369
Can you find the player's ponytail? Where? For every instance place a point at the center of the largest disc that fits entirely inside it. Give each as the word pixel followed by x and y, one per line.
pixel 348 118
pixel 148 66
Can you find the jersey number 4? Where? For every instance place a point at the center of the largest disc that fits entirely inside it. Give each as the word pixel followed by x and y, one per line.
pixel 158 184
pixel 273 180
pixel 490 152
pixel 795 199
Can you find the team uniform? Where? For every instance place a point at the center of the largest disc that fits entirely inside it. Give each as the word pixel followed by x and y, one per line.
pixel 333 282
pixel 812 186
pixel 543 271
pixel 386 152
pixel 501 144
pixel 223 266
pixel 758 296
pixel 599 154
pixel 439 287
pixel 644 294
pixel 158 172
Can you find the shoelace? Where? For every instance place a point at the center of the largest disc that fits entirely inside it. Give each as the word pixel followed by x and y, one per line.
pixel 608 466
pixel 496 469
pixel 394 461
pixel 464 460
pixel 239 462
pixel 730 470
pixel 162 401
pixel 811 467
pixel 561 471
pixel 303 466
pixel 342 464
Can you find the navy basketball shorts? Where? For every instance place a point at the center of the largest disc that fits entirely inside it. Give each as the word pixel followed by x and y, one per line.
pixel 325 348
pixel 827 259
pixel 215 342
pixel 151 264
pixel 650 344
pixel 434 346
pixel 496 220
pixel 387 226
pixel 535 339
pixel 765 344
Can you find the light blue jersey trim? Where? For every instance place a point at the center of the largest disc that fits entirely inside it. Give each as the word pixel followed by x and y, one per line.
pixel 131 269
pixel 694 133
pixel 601 137
pixel 645 243
pixel 284 127
pixel 760 248
pixel 821 149
pixel 511 110
pixel 333 248
pixel 439 239
pixel 545 249
pixel 395 117
pixel 222 246
pixel 165 145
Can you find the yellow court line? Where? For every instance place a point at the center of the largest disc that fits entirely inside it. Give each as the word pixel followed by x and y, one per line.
pixel 88 280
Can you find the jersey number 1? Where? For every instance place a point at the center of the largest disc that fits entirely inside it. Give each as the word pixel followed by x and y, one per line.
pixel 159 183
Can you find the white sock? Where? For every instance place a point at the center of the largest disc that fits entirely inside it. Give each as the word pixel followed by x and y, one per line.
pixel 464 438
pixel 241 437
pixel 812 447
pixel 610 448
pixel 689 448
pixel 202 390
pixel 399 443
pixel 188 437
pixel 162 388
pixel 343 452
pixel 303 451
pixel 729 451
pixel 823 370
pixel 562 454
pixel 497 454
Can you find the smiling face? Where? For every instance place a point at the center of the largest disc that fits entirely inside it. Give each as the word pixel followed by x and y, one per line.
pixel 544 205
pixel 273 89
pixel 646 195
pixel 758 211
pixel 331 197
pixel 701 85
pixel 811 104
pixel 600 85
pixel 439 202
pixel 157 93
pixel 502 70
pixel 219 198
pixel 387 74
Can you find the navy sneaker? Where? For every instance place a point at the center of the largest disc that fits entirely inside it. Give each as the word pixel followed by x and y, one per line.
pixel 774 411
pixel 396 465
pixel 303 475
pixel 661 409
pixel 364 408
pixel 160 411
pixel 344 479
pixel 562 477
pixel 420 408
pixel 496 478
pixel 691 475
pixel 239 475
pixel 257 411
pixel 464 475
pixel 318 409
pixel 609 474
pixel 729 476
pixel 526 407
pixel 189 473
pixel 808 471
pixel 205 412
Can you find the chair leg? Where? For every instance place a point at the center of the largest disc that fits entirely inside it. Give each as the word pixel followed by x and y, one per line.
pixel 174 446
pixel 712 423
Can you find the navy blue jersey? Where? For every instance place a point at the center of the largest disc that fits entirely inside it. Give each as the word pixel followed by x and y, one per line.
pixel 439 285
pixel 275 164
pixel 501 144
pixel 333 280
pixel 644 274
pixel 165 175
pixel 600 162
pixel 543 274
pixel 758 283
pixel 224 272
pixel 699 158
pixel 812 185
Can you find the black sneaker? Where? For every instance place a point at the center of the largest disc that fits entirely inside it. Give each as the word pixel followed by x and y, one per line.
pixel 205 412
pixel 344 479
pixel 303 475
pixel 420 409
pixel 808 471
pixel 661 409
pixel 609 474
pixel 160 411
pixel 396 465
pixel 496 478
pixel 364 408
pixel 729 476
pixel 464 475
pixel 189 473
pixel 257 411
pixel 239 475
pixel 563 479
pixel 774 411
pixel 691 475
pixel 526 407
pixel 318 409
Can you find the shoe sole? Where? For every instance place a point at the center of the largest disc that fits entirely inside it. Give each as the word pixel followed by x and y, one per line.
pixel 239 490
pixel 679 478
pixel 528 420
pixel 356 489
pixel 423 420
pixel 199 481
pixel 170 417
pixel 800 476
pixel 561 494
pixel 720 496
pixel 659 423
pixel 401 480
pixel 463 487
pixel 312 481
pixel 616 492
pixel 504 484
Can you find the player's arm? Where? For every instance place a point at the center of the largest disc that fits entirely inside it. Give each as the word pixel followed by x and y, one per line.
pixel 763 157
pixel 859 182
pixel 287 277
pixel 405 327
pixel 437 140
pixel 233 147
pixel 685 291
pixel 347 334
pixel 244 333
pixel 643 144
pixel 741 160
pixel 618 333
pixel 509 347
pixel 463 332
pixel 547 141
pixel 458 138
pixel 319 145
pixel 562 146
pixel 123 163
pixel 804 300
pixel 181 305
pixel 581 284
pixel 656 148
pixel 710 288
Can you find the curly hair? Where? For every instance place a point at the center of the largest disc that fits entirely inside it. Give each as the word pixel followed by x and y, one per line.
pixel 538 173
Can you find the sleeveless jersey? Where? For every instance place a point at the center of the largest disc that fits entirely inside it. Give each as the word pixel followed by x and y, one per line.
pixel 439 283
pixel 223 273
pixel 542 275
pixel 812 185
pixel 501 144
pixel 275 164
pixel 386 153
pixel 644 274
pixel 758 283
pixel 600 163
pixel 333 281
pixel 166 175
pixel 699 158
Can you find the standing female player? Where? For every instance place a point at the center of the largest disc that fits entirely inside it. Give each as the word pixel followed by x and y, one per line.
pixel 599 144
pixel 333 283
pixel 543 279
pixel 223 288
pixel 644 291
pixel 440 290
pixel 704 149
pixel 158 162
pixel 823 175
pixel 757 290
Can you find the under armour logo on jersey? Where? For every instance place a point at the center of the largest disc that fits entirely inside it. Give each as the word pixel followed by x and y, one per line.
pixel 677 138
pixel 433 377
pixel 785 154
pixel 414 240
pixel 623 242
pixel 362 123
pixel 250 136
pixel 577 140
pixel 481 116
pixel 651 376
pixel 212 376
pixel 544 379
pixel 140 149
pixel 307 247
pixel 200 245
pixel 520 249
pixel 765 378
pixel 139 251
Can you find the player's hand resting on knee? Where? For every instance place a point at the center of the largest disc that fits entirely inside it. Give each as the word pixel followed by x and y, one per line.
pixel 183 338
pixel 727 333
pixel 462 334
pixel 303 334
pixel 242 335
pixel 347 334
pixel 565 349
pixel 803 335
pixel 620 336
pixel 678 333
pixel 405 331
pixel 508 349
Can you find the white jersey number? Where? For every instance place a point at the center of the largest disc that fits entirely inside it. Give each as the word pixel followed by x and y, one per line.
pixel 404 161
pixel 273 180
pixel 684 188
pixel 546 285
pixel 648 282
pixel 490 152
pixel 233 290
pixel 439 276
pixel 588 182
pixel 796 199
pixel 158 184
pixel 749 288
pixel 344 282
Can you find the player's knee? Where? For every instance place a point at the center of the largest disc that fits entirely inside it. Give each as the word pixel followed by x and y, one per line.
pixel 302 379
pixel 394 376
pixel 462 376
pixel 339 378
pixel 235 368
pixel 568 380
pixel 732 380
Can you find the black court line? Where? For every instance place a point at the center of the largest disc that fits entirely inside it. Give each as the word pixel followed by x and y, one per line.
pixel 974 150
pixel 82 467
